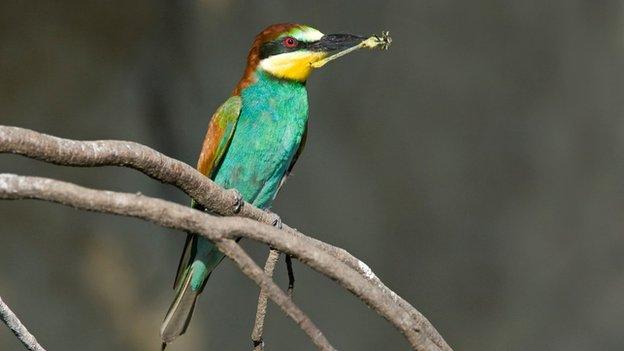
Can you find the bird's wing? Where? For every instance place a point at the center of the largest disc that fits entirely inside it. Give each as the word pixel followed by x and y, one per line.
pixel 304 138
pixel 219 135
pixel 217 140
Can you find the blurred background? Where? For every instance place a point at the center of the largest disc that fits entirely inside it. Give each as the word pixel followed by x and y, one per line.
pixel 476 167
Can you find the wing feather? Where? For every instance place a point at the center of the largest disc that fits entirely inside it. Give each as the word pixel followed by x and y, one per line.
pixel 219 135
pixel 216 142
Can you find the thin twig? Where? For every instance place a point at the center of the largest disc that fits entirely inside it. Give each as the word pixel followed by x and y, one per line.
pixel 158 166
pixel 10 319
pixel 277 295
pixel 258 329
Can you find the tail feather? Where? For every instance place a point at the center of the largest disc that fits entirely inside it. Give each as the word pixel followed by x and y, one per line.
pixel 179 314
pixel 200 257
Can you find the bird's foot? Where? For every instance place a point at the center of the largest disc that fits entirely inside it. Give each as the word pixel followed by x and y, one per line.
pixel 276 221
pixel 238 200
pixel 291 276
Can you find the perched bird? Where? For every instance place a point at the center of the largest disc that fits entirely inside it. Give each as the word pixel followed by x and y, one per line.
pixel 253 141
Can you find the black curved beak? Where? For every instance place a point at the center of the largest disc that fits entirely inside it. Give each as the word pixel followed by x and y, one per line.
pixel 334 43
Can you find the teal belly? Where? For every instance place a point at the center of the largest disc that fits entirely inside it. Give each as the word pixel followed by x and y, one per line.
pixel 268 133
pixel 267 136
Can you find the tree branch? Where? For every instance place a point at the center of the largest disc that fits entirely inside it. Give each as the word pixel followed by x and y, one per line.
pixel 266 284
pixel 258 329
pixel 10 319
pixel 355 275
pixel 167 214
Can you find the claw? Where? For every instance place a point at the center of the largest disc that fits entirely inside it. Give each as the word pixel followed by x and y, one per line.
pixel 276 221
pixel 238 200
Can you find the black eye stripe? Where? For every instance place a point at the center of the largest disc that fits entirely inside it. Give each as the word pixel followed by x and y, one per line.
pixel 276 47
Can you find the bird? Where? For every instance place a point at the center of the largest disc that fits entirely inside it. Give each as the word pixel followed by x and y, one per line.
pixel 253 141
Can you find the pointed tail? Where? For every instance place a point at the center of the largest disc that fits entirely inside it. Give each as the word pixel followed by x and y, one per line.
pixel 179 314
pixel 200 257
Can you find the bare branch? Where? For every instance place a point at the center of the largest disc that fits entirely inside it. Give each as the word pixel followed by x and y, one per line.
pixel 266 284
pixel 10 319
pixel 167 214
pixel 258 329
pixel 369 288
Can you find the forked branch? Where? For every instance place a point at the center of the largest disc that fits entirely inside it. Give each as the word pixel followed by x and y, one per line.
pixel 329 260
pixel 221 230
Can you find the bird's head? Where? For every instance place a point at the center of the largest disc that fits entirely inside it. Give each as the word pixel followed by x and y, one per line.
pixel 288 51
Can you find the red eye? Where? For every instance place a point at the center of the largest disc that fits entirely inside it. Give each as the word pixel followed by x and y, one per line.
pixel 289 42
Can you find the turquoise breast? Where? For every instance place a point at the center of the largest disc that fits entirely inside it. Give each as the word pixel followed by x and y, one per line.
pixel 273 118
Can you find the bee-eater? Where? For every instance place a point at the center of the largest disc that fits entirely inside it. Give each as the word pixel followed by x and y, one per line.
pixel 253 141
